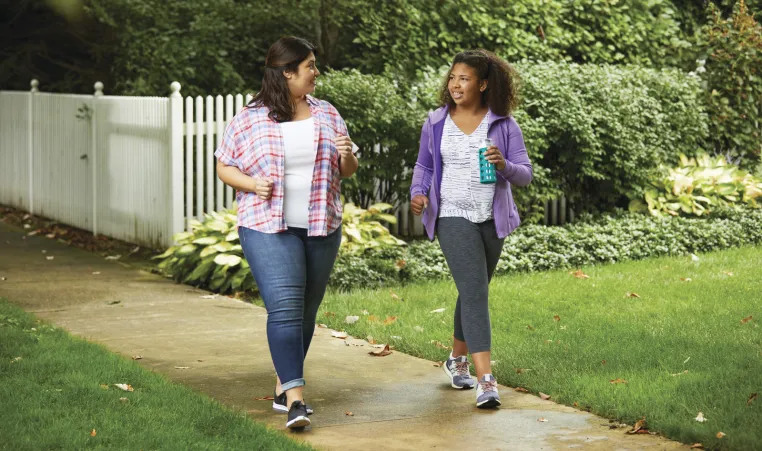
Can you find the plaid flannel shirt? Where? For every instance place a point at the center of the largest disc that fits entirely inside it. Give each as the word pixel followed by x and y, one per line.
pixel 254 144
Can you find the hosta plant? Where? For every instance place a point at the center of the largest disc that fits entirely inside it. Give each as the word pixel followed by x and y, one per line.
pixel 697 186
pixel 362 229
pixel 209 255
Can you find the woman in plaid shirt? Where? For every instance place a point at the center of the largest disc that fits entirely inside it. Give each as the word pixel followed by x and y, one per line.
pixel 285 154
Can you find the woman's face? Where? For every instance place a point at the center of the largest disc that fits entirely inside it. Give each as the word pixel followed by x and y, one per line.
pixel 465 86
pixel 302 82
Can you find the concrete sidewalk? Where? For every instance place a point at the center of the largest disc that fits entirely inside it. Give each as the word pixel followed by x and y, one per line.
pixel 399 402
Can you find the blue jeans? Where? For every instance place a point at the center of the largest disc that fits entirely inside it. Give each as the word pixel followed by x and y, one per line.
pixel 291 270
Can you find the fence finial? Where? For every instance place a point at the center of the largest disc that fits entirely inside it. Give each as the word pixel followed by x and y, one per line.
pixel 98 89
pixel 175 87
pixel 34 84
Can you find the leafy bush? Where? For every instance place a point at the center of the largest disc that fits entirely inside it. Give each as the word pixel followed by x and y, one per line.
pixel 361 229
pixel 733 82
pixel 210 255
pixel 607 239
pixel 698 185
pixel 385 126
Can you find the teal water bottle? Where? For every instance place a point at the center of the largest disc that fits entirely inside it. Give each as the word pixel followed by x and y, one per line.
pixel 486 169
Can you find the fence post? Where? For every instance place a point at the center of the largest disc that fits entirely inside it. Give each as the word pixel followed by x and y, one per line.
pixel 94 151
pixel 30 141
pixel 176 218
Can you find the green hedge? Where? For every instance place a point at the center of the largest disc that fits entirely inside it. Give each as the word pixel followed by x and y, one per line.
pixel 608 239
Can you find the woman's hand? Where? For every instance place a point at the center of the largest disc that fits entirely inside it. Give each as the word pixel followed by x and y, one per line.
pixel 347 160
pixel 418 204
pixel 263 187
pixel 344 146
pixel 495 157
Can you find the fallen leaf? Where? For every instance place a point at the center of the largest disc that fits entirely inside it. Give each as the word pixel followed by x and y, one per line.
pixel 199 360
pixel 680 374
pixel 95 273
pixel 439 310
pixel 579 274
pixel 210 296
pixel 329 314
pixel 438 364
pixel 137 357
pixel 370 339
pixel 372 318
pixel 752 397
pixel 349 414
pixel 365 312
pixel 697 446
pixel 337 334
pixel 401 264
pixel 104 386
pixel 700 417
pixel 618 380
pixel 418 329
pixel 746 320
pixel 639 426
pixel 182 367
pixel 544 396
pixel 631 295
pixel 264 398
pixel 351 319
pixel 394 296
pixel 389 320
pixel 3 279
pixel 124 399
pixel 521 390
pixel 113 302
pixel 440 345
pixel 50 257
pixel 529 326
pixel 520 370
pixel 563 327
pixel 686 279
pixel 556 318
pixel 323 326
pixel 93 433
pixel 575 404
pixel 720 435
pixel 542 420
pixel 603 362
pixel 125 387
pixel 381 353
pixel 728 273
pixel 113 257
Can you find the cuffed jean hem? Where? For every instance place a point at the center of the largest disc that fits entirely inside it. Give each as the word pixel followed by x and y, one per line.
pixel 292 384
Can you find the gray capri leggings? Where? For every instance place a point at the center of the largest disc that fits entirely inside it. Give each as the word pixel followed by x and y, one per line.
pixel 472 251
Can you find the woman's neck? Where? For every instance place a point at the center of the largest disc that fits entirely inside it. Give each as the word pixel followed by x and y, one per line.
pixel 470 110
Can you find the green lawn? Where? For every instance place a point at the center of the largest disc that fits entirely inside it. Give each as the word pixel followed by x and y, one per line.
pixel 56 389
pixel 681 345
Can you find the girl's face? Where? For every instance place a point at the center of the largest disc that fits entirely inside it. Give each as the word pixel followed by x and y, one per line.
pixel 303 81
pixel 465 86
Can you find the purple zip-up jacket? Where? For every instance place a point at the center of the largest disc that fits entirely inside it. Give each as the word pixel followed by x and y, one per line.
pixel 427 175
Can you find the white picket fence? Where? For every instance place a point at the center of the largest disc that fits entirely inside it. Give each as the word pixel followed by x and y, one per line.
pixel 133 168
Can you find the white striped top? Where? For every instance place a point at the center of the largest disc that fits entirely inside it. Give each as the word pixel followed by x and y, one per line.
pixel 463 196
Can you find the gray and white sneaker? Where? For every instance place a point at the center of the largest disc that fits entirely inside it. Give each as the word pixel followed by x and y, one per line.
pixel 280 404
pixel 486 393
pixel 457 371
pixel 297 416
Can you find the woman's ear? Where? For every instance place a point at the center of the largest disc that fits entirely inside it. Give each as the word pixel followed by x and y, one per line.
pixel 483 86
pixel 288 74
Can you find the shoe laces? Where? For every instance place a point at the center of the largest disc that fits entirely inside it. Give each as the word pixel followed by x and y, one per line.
pixel 490 385
pixel 461 369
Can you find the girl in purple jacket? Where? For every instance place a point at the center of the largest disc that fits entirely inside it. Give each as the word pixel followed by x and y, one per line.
pixel 470 218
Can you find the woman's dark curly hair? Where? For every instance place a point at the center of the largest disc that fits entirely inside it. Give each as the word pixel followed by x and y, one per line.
pixel 501 95
pixel 285 54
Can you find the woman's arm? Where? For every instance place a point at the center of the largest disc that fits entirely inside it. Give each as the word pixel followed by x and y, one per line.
pixel 233 177
pixel 518 168
pixel 424 167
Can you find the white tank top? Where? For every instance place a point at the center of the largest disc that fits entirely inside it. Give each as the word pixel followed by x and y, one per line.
pixel 300 154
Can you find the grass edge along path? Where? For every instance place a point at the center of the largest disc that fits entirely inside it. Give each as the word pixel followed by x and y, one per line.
pixel 58 392
pixel 664 338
